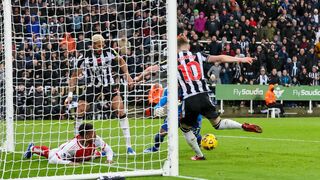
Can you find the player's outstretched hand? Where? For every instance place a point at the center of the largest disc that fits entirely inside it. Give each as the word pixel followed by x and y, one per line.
pixel 74 164
pixel 248 60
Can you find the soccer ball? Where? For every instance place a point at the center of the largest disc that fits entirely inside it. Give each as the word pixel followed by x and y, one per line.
pixel 209 142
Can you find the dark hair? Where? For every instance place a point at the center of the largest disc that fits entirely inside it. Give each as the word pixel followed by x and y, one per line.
pixel 84 128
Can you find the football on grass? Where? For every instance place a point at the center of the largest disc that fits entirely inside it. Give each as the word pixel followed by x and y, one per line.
pixel 209 142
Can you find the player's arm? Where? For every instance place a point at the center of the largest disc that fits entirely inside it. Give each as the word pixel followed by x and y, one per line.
pixel 56 159
pixel 229 59
pixel 123 66
pixel 104 147
pixel 148 71
pixel 73 80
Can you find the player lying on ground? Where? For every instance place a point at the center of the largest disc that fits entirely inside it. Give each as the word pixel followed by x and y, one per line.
pixel 97 68
pixel 83 147
pixel 160 111
pixel 195 94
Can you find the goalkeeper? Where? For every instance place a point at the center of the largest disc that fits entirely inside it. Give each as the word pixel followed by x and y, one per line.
pixel 159 111
pixel 83 147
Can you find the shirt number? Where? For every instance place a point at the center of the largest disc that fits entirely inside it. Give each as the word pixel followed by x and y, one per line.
pixel 191 72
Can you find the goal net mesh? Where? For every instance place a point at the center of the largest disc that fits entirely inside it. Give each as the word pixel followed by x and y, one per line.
pixel 49 40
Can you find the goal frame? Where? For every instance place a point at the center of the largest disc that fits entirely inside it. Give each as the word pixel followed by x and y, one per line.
pixel 171 165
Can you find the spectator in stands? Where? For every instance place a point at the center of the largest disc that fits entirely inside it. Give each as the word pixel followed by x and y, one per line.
pixel 314 76
pixel 285 79
pixel 274 78
pixel 20 101
pixel 277 63
pixel 68 42
pixel 200 23
pixel 215 48
pixel 262 79
pixel 33 26
pixel 295 82
pixel 294 67
pixel 226 74
pixel 304 78
pixel 228 51
pixel 271 100
pixel 215 70
pixel 212 24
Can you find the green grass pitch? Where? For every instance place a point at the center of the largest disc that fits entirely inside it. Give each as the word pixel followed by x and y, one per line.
pixel 289 148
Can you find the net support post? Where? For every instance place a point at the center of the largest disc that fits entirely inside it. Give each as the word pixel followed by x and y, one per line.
pixel 251 107
pixel 8 75
pixel 221 106
pixel 310 111
pixel 171 167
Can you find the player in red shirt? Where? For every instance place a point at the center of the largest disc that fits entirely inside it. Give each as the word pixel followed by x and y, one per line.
pixel 83 147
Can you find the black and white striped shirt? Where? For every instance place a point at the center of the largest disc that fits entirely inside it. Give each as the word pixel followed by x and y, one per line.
pixel 98 69
pixel 191 75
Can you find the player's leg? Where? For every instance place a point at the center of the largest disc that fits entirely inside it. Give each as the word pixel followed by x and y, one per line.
pixel 209 111
pixel 189 120
pixel 158 138
pixel 84 105
pixel 118 106
pixel 39 150
pixel 197 128
pixel 82 108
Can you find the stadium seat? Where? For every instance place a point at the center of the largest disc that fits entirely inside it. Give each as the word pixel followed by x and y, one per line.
pixel 274 112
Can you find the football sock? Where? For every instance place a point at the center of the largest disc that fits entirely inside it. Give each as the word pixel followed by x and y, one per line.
pixel 199 137
pixel 192 141
pixel 158 139
pixel 41 150
pixel 228 124
pixel 78 122
pixel 124 124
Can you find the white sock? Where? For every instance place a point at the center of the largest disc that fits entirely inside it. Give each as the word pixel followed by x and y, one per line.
pixel 124 124
pixel 77 125
pixel 192 141
pixel 228 124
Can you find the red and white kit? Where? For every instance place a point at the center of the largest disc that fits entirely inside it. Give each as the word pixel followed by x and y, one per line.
pixel 73 151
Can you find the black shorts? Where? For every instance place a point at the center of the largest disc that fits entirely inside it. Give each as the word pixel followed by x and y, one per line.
pixel 94 94
pixel 195 105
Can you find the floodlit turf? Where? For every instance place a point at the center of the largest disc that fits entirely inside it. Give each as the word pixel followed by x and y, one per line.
pixel 287 149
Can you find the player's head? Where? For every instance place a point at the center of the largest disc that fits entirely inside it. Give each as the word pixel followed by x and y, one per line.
pixel 87 132
pixel 183 42
pixel 98 43
pixel 271 87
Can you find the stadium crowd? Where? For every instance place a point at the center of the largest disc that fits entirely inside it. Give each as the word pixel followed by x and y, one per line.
pixel 282 35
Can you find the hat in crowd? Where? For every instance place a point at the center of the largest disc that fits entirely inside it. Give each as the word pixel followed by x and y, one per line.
pixel 196 11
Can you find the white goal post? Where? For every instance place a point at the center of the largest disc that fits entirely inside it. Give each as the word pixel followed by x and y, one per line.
pixel 36 123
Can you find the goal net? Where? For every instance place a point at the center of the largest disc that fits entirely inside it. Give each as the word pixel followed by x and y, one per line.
pixel 63 76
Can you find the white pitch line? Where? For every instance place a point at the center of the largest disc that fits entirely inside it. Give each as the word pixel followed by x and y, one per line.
pixel 269 139
pixel 189 177
pixel 112 165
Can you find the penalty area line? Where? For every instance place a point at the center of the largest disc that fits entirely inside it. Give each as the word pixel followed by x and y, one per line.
pixel 269 139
